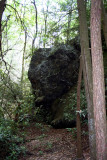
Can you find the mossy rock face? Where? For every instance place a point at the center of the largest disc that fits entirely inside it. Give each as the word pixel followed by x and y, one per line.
pixel 65 107
pixel 63 116
pixel 53 72
pixel 57 110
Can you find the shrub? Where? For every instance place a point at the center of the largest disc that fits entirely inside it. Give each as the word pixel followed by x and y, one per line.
pixel 10 143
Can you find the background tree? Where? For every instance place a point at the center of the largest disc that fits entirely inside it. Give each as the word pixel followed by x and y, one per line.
pixel 2 8
pixel 45 13
pixel 36 24
pixel 23 62
pixel 87 73
pixel 78 119
pixel 98 81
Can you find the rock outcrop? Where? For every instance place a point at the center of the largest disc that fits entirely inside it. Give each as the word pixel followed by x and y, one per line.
pixel 52 72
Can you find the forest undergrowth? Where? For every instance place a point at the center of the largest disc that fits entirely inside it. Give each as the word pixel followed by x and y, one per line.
pixel 43 142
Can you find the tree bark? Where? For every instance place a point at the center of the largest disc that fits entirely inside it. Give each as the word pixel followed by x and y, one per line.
pixel 23 63
pixel 2 8
pixel 98 81
pixel 45 19
pixel 87 73
pixel 36 22
pixel 78 121
pixel 69 23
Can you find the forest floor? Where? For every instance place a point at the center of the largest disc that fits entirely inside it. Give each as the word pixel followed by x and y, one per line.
pixel 45 143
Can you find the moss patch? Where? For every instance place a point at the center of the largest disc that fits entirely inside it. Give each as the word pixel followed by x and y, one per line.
pixel 65 107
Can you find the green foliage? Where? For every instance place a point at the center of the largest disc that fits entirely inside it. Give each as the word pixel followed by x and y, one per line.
pixel 71 102
pixel 49 145
pixel 10 92
pixel 44 128
pixel 10 143
pixel 73 131
pixel 39 125
pixel 15 103
pixel 41 113
pixel 85 132
pixel 42 136
pixel 40 152
pixel 24 108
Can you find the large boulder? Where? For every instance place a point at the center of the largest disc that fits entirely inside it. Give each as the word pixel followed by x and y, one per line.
pixel 53 72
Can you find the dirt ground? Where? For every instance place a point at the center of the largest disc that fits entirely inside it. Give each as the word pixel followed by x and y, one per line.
pixel 45 143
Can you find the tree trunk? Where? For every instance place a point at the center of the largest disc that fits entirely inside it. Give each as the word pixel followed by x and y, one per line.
pixel 36 22
pixel 98 81
pixel 78 121
pixel 2 8
pixel 87 73
pixel 23 59
pixel 45 19
pixel 69 23
pixel 104 22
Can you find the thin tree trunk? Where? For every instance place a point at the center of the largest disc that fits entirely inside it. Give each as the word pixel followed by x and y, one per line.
pixel 98 81
pixel 23 58
pixel 2 8
pixel 79 142
pixel 36 22
pixel 87 74
pixel 45 18
pixel 69 23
